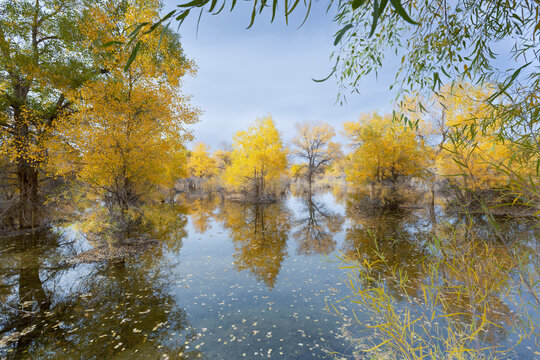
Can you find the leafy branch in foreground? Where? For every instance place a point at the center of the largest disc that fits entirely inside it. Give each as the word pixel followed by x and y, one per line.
pixel 470 296
pixel 374 9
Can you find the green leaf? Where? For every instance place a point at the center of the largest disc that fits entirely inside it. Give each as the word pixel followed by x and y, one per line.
pixel 182 16
pixel 137 29
pixel 110 43
pixel 212 6
pixel 253 13
pixel 508 82
pixel 292 8
pixel 342 32
pixel 401 11
pixel 286 12
pixel 326 78
pixel 133 55
pixel 274 8
pixel 436 81
pixel 376 15
pixel 197 3
pixel 307 14
pixel 153 27
pixel 357 3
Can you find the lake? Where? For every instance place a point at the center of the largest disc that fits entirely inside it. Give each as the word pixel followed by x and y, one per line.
pixel 228 281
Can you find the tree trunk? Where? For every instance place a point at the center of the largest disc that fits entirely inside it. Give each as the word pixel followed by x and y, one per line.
pixel 310 181
pixel 29 205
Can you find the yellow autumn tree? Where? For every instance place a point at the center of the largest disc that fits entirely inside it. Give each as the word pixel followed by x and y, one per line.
pixel 470 158
pixel 386 155
pixel 258 159
pixel 128 134
pixel 297 170
pixel 223 159
pixel 201 163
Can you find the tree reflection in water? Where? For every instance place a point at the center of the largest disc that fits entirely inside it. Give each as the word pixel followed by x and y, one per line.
pixel 201 209
pixel 455 275
pixel 259 233
pixel 397 236
pixel 98 311
pixel 316 227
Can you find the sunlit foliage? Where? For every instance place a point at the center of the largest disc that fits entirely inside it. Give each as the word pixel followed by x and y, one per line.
pixel 470 163
pixel 297 171
pixel 127 136
pixel 258 159
pixel 223 159
pixel 201 163
pixel 385 155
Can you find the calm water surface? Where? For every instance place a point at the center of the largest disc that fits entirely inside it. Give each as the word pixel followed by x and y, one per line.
pixel 230 281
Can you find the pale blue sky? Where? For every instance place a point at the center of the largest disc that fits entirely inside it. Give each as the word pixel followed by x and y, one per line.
pixel 268 69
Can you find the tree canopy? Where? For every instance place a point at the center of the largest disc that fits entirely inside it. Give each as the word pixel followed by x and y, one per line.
pixel 258 158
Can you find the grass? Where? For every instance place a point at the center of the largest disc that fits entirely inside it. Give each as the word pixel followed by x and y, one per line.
pixel 474 294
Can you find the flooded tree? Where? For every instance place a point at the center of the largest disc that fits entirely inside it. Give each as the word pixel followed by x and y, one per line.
pixel 313 144
pixel 258 160
pixel 41 61
pixel 471 165
pixel 201 165
pixel 128 134
pixel 386 155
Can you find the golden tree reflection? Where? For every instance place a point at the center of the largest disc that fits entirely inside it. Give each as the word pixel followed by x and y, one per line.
pixel 201 210
pixel 455 286
pixel 392 235
pixel 259 233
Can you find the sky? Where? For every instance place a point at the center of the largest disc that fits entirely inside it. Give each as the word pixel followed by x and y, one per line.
pixel 244 74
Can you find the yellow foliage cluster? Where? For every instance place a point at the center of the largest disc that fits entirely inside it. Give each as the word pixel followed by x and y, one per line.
pixel 201 163
pixel 128 133
pixel 297 170
pixel 384 151
pixel 258 158
pixel 470 157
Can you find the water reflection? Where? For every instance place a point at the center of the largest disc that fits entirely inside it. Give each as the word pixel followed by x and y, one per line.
pixel 28 272
pixel 486 270
pixel 201 209
pixel 259 233
pixel 316 226
pixel 101 311
pixel 458 273
pixel 136 308
pixel 165 223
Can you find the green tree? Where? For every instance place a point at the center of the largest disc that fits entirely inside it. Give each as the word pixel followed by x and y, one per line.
pixel 41 60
